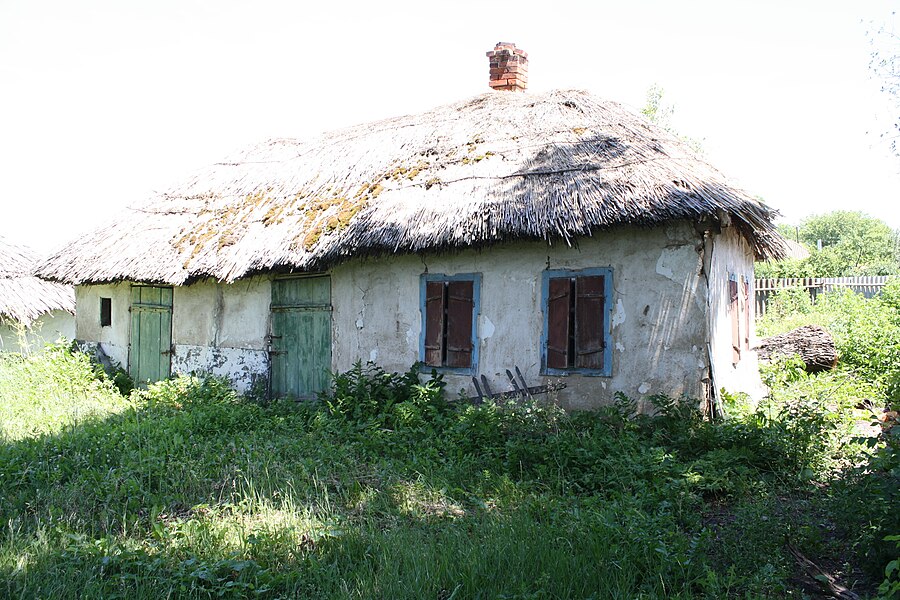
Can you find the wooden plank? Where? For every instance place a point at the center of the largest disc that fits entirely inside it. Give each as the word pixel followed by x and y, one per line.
pixel 589 301
pixel 524 385
pixel 300 344
pixel 558 306
pixel 478 390
pixel 435 302
pixel 460 313
pixel 515 384
pixel 487 387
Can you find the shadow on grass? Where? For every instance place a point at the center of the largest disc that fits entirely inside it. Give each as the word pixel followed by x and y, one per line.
pixel 192 492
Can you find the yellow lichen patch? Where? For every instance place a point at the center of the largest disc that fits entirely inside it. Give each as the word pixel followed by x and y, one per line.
pixel 431 182
pixel 473 144
pixel 579 130
pixel 414 172
pixel 227 239
pixel 324 215
pixel 273 215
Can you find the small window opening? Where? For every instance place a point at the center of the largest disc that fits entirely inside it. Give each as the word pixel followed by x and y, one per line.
pixel 105 312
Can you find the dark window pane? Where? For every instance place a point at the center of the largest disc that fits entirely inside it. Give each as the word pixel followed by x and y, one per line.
pixel 105 312
pixel 735 321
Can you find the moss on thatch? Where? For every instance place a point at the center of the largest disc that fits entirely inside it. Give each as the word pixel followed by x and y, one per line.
pixel 24 297
pixel 495 167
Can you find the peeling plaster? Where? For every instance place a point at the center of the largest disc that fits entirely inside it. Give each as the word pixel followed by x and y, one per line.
pixel 644 388
pixel 666 258
pixel 620 347
pixel 359 323
pixel 619 316
pixel 373 355
pixel 243 367
pixel 487 328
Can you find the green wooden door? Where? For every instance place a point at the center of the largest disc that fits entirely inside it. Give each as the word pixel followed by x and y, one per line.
pixel 151 333
pixel 301 336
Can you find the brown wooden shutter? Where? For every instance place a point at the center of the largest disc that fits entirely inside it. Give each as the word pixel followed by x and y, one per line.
pixel 434 323
pixel 589 301
pixel 460 310
pixel 558 323
pixel 735 322
pixel 746 292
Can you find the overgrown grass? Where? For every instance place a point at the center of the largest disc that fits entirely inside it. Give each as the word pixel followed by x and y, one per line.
pixel 389 490
pixel 866 495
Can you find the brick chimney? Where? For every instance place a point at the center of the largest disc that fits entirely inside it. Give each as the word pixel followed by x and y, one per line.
pixel 509 68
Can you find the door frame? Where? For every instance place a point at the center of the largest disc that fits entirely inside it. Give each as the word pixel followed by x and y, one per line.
pixel 150 308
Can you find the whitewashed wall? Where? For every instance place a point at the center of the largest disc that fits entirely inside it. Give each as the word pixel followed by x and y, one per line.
pixel 112 339
pixel 221 329
pixel 659 322
pixel 662 314
pixel 47 328
pixel 730 254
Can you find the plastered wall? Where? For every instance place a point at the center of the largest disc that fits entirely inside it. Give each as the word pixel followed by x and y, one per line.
pixel 216 328
pixel 659 315
pixel 658 312
pixel 47 328
pixel 113 339
pixel 730 254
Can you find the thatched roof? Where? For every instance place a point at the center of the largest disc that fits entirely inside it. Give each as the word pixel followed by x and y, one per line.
pixel 24 297
pixel 795 250
pixel 496 167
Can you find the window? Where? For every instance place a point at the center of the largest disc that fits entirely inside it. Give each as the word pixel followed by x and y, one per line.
pixel 745 290
pixel 576 322
pixel 739 308
pixel 449 307
pixel 105 312
pixel 735 310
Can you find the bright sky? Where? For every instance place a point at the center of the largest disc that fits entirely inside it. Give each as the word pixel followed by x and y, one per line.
pixel 104 101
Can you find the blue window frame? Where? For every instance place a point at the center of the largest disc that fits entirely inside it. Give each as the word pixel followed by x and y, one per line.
pixel 450 305
pixel 576 307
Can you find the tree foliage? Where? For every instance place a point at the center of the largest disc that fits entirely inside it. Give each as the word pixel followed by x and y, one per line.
pixel 852 243
pixel 660 113
pixel 885 64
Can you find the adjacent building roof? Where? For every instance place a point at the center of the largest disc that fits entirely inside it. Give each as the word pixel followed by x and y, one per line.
pixel 496 167
pixel 24 297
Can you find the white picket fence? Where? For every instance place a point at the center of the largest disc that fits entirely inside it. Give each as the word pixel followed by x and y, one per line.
pixel 867 286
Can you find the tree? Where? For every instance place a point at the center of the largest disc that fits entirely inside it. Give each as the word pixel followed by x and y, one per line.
pixel 660 113
pixel 842 243
pixel 852 243
pixel 885 63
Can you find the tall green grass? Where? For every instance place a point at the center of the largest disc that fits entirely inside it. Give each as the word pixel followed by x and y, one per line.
pixel 386 489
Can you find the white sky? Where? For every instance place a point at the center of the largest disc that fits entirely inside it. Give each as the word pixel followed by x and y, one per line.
pixel 102 102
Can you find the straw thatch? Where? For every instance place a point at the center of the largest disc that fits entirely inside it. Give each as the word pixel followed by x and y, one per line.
pixel 496 167
pixel 24 297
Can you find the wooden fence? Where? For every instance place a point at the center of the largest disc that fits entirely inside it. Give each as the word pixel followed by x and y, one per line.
pixel 867 286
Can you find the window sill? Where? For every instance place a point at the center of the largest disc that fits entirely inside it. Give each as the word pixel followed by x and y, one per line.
pixel 583 372
pixel 470 371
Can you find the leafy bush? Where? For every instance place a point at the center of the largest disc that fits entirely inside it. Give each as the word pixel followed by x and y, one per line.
pixel 866 331
pixel 388 489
